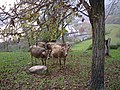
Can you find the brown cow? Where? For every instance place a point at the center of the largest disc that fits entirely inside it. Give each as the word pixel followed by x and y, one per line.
pixel 38 52
pixel 59 51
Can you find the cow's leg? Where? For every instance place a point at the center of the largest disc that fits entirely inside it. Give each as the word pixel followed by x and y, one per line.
pixel 36 61
pixel 59 59
pixel 64 61
pixel 45 61
pixel 49 54
pixel 53 59
pixel 31 59
pixel 42 61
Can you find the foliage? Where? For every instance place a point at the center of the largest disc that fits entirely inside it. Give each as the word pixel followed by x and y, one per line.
pixel 37 18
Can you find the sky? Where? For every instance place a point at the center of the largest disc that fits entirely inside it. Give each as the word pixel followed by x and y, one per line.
pixel 2 2
pixel 6 2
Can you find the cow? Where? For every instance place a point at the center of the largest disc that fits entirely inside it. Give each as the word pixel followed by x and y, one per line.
pixel 38 52
pixel 59 51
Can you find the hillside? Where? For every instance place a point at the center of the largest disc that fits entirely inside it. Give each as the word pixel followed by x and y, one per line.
pixel 113 32
pixel 113 19
pixel 114 14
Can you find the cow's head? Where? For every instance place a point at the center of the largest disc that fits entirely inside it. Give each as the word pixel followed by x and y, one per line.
pixel 65 48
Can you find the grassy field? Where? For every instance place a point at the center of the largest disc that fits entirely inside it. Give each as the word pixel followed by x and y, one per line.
pixel 75 76
pixel 113 32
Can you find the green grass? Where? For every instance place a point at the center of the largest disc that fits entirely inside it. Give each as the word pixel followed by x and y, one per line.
pixel 113 31
pixel 14 74
pixel 75 76
pixel 82 46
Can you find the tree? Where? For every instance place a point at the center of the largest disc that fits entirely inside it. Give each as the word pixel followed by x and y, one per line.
pixel 97 19
pixel 49 16
pixel 96 13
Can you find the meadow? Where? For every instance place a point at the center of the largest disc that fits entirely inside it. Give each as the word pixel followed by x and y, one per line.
pixel 113 32
pixel 14 73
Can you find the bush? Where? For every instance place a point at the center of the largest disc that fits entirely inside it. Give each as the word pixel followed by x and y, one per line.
pixel 14 46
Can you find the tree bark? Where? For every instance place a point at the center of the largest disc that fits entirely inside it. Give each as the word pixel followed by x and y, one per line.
pixel 97 20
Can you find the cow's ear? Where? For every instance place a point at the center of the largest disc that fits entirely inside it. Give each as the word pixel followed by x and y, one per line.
pixel 63 48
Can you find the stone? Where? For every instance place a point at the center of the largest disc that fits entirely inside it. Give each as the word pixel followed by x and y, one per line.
pixel 38 69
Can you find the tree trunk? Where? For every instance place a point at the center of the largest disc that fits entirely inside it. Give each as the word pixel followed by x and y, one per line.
pixel 97 20
pixel 63 39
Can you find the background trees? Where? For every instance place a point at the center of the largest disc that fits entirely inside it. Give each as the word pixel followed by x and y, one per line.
pixel 42 19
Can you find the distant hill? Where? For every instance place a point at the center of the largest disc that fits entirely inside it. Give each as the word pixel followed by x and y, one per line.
pixel 113 32
pixel 113 19
pixel 114 15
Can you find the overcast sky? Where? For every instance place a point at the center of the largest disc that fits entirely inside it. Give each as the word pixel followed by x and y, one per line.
pixel 3 2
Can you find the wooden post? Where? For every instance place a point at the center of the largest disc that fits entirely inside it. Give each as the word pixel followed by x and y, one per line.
pixel 107 47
